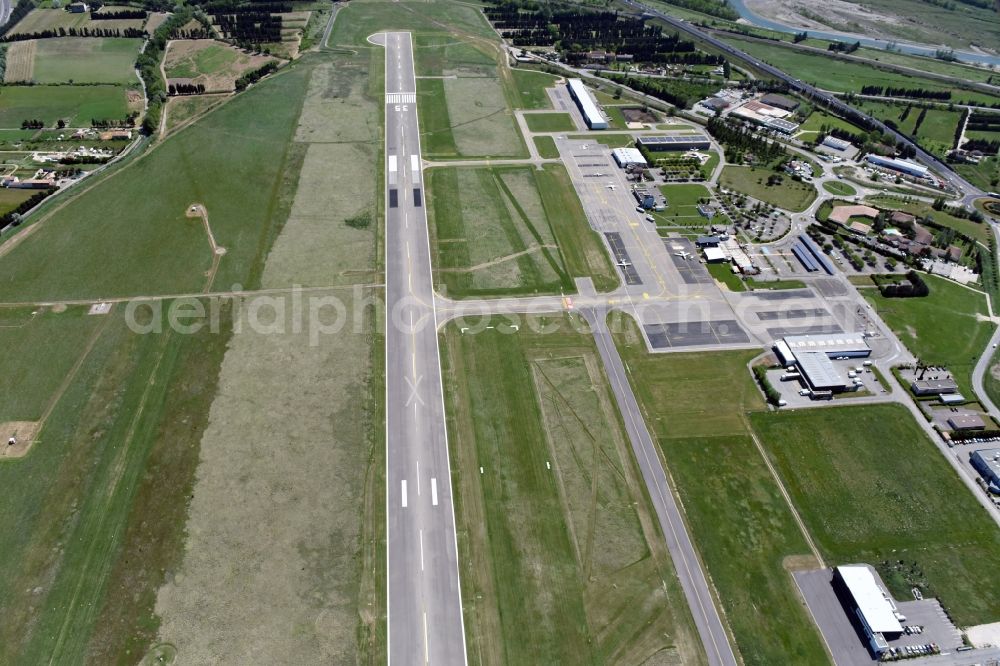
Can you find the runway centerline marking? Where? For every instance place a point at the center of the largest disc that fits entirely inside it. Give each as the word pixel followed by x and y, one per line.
pixel 404 492
pixel 421 550
pixel 434 491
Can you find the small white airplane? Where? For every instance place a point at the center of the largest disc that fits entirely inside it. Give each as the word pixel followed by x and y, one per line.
pixel 624 264
pixel 611 186
pixel 683 255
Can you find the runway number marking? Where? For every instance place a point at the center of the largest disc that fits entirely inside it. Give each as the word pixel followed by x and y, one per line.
pixel 404 493
pixel 434 491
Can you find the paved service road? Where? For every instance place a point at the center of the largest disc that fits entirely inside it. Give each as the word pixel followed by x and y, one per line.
pixel 692 579
pixel 425 622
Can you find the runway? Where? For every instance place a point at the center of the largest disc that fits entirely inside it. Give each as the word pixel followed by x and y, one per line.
pixel 425 623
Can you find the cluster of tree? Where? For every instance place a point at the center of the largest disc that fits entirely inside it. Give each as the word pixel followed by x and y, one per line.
pixel 68 173
pixel 738 140
pixel 20 10
pixel 961 212
pixel 983 146
pixel 771 393
pixel 911 93
pixel 842 47
pixel 242 6
pixel 185 89
pixel 983 122
pixel 148 64
pixel 134 33
pixel 113 123
pixel 251 27
pixel 255 75
pixel 678 92
pixel 920 120
pixel 914 287
pixel 119 15
pixel 718 8
pixel 578 30
pixel 32 124
pixel 13 218
pixel 800 37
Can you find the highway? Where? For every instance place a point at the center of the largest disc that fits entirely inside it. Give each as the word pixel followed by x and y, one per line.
pixel 965 189
pixel 425 623
pixel 6 7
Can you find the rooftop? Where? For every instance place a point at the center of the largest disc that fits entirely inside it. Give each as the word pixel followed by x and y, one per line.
pixel 871 600
pixel 819 370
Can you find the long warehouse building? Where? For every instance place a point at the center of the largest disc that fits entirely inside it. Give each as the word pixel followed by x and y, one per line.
pixel 591 114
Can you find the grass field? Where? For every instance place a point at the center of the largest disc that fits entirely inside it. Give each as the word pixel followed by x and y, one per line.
pixel 530 86
pixel 817 120
pixel 872 488
pixel 511 230
pixel 546 147
pixel 609 140
pixel 76 60
pixel 77 105
pixel 940 329
pixel 752 181
pixel 563 559
pixel 214 64
pixel 936 132
pixel 839 188
pixel 694 405
pixel 115 253
pixel 550 122
pixel 985 175
pixel 12 198
pixel 682 200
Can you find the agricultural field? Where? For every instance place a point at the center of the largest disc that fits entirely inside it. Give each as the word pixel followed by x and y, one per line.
pixel 550 122
pixel 511 230
pixel 846 76
pixel 183 109
pixel 872 488
pixel 214 64
pixel 564 564
pixel 112 537
pixel 943 328
pixel 985 175
pixel 78 60
pixel 695 406
pixel 11 199
pixel 77 105
pixel 933 128
pixel 817 120
pixel 789 194
pixel 39 20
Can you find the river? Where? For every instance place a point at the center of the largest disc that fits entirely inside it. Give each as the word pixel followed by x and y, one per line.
pixel 902 47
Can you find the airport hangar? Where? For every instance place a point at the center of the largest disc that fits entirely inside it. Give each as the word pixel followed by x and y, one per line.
pixel 591 114
pixel 814 354
pixel 869 607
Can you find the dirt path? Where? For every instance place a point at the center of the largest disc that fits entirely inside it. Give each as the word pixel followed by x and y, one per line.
pixel 199 210
pixel 499 260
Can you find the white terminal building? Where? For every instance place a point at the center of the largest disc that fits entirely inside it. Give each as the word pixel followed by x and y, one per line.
pixel 588 107
pixel 627 157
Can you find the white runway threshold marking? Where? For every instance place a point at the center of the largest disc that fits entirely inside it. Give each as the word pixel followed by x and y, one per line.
pixel 404 493
pixel 401 98
pixel 434 491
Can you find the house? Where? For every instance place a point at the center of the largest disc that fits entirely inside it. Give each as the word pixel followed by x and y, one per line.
pixel 954 254
pixel 79 8
pixel 860 228
pixel 922 235
pixel 901 218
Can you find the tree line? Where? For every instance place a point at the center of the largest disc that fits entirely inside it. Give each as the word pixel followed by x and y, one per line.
pixel 76 32
pixel 185 89
pixel 912 93
pixel 13 218
pixel 251 27
pixel 148 64
pixel 20 10
pixel 253 76
pixel 678 92
pixel 141 14
pixel 841 47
